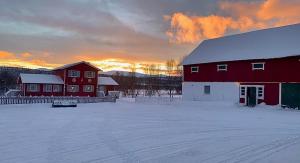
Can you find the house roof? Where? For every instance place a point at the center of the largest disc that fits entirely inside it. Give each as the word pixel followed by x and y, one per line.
pixel 106 81
pixel 41 78
pixel 74 64
pixel 262 44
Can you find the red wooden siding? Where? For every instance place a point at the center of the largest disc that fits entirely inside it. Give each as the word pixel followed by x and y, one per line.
pixel 81 81
pixel 41 92
pixel 276 70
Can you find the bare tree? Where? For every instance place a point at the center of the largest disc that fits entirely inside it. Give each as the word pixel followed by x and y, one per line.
pixel 170 71
pixel 132 80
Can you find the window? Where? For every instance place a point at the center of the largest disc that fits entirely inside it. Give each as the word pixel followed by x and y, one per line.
pixel 47 88
pixel 57 88
pixel 33 87
pixel 243 91
pixel 73 88
pixel 260 92
pixel 207 89
pixel 74 73
pixel 222 67
pixel 89 74
pixel 258 66
pixel 88 88
pixel 195 69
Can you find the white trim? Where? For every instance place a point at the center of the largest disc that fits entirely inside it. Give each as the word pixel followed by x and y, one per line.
pixel 263 68
pixel 71 75
pixel 280 95
pixel 75 90
pixel 194 67
pixel 87 90
pixel 45 88
pixel 219 65
pixel 246 91
pixel 86 74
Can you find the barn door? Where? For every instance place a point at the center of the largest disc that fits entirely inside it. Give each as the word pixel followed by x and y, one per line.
pixel 290 95
pixel 251 96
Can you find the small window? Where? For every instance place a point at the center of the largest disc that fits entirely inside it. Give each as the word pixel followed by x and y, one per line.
pixel 243 91
pixel 260 92
pixel 73 73
pixel 47 88
pixel 222 67
pixel 88 88
pixel 57 88
pixel 33 87
pixel 195 69
pixel 73 88
pixel 207 90
pixel 89 74
pixel 258 66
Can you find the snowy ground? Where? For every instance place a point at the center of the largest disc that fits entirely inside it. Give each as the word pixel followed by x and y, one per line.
pixel 129 132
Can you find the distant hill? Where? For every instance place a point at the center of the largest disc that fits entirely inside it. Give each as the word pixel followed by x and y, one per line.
pixel 124 73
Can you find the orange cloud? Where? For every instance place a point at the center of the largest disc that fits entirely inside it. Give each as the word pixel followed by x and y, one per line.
pixel 26 55
pixel 11 59
pixel 242 17
pixel 6 55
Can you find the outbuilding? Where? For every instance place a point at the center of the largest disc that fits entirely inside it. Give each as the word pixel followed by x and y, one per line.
pixel 250 68
pixel 106 84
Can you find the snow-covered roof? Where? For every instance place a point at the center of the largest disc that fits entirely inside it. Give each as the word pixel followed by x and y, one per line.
pixel 41 78
pixel 262 44
pixel 106 81
pixel 74 64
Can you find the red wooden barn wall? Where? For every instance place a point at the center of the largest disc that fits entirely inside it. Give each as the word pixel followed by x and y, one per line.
pixel 276 70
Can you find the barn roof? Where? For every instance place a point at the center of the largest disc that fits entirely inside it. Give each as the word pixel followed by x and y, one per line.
pixel 106 81
pixel 74 64
pixel 40 79
pixel 262 44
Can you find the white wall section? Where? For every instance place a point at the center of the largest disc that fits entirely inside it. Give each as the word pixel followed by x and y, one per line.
pixel 219 91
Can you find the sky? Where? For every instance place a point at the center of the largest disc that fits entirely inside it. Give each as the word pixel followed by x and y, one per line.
pixel 116 34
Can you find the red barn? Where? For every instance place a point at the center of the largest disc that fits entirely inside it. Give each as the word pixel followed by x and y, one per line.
pixel 249 68
pixel 77 79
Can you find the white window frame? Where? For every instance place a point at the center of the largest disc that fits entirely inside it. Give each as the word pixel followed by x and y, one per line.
pixel 88 90
pixel 89 74
pixel 263 68
pixel 73 90
pixel 245 91
pixel 194 67
pixel 257 97
pixel 57 88
pixel 262 97
pixel 204 90
pixel 29 88
pixel 220 65
pixel 47 88
pixel 74 73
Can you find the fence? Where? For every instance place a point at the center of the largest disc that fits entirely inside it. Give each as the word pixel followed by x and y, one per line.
pixel 34 100
pixel 158 100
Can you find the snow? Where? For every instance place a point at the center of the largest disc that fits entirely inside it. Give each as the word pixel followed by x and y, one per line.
pixel 262 44
pixel 106 81
pixel 41 78
pixel 129 132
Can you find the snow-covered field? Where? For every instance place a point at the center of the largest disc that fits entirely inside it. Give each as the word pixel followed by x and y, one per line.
pixel 130 132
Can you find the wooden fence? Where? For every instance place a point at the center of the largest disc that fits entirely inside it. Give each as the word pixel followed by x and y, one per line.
pixel 44 99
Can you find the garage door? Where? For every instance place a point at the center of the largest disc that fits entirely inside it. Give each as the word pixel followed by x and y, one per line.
pixel 290 94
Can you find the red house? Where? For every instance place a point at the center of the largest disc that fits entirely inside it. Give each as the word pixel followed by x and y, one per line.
pixel 251 68
pixel 77 79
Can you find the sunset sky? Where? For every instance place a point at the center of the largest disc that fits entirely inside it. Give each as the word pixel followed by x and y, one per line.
pixel 113 34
